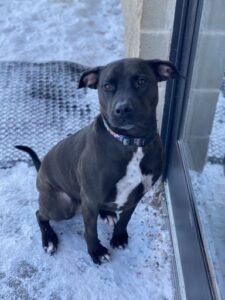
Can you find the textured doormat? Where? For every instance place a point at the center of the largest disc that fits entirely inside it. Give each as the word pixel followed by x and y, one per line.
pixel 40 105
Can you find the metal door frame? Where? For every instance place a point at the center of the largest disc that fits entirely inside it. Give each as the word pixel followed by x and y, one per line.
pixel 192 257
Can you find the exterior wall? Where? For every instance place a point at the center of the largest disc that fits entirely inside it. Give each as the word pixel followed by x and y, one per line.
pixel 206 80
pixel 132 11
pixel 148 32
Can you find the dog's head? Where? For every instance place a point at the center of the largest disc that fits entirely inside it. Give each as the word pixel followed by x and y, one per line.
pixel 128 92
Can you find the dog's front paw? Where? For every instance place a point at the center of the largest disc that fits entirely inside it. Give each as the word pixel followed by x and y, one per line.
pixel 119 240
pixel 49 241
pixel 100 254
pixel 108 217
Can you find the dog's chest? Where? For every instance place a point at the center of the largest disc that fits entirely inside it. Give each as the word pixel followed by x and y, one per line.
pixel 132 179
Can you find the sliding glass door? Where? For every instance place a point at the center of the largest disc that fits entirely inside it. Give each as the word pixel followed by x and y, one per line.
pixel 202 136
pixel 196 146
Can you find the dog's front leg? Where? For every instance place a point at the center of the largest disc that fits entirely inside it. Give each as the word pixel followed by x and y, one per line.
pixel 90 212
pixel 120 235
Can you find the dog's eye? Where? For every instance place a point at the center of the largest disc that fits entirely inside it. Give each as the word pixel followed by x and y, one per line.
pixel 109 87
pixel 141 82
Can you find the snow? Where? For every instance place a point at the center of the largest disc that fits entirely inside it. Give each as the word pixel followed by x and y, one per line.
pixel 91 33
pixel 142 270
pixel 209 193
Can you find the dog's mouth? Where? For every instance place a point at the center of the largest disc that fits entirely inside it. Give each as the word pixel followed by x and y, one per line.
pixel 129 129
pixel 124 127
pixel 127 126
pixel 123 123
pixel 138 128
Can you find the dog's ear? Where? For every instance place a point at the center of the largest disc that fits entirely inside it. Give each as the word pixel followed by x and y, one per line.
pixel 90 78
pixel 163 69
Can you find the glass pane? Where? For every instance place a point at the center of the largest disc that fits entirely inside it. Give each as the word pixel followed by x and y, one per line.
pixel 203 136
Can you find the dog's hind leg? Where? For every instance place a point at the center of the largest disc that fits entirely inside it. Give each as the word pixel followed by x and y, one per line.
pixel 49 237
pixel 57 206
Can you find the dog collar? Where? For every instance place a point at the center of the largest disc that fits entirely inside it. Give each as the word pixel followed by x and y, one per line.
pixel 126 140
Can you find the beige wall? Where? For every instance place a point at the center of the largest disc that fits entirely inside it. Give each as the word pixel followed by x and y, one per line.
pixel 207 76
pixel 148 32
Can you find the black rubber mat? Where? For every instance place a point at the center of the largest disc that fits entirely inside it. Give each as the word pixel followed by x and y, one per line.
pixel 40 105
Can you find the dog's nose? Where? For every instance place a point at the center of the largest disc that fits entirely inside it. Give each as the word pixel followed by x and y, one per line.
pixel 122 109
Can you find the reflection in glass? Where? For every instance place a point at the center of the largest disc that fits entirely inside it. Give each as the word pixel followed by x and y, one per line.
pixel 203 137
pixel 209 190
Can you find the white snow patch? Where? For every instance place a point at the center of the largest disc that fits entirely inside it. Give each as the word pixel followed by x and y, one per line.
pixel 147 182
pixel 209 190
pixel 88 32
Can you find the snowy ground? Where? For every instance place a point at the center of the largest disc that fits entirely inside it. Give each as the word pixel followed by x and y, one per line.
pixel 141 271
pixel 209 190
pixel 210 194
pixel 91 33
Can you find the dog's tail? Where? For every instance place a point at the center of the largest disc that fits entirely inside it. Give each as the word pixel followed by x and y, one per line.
pixel 33 155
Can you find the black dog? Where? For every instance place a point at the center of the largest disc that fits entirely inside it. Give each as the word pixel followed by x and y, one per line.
pixel 107 166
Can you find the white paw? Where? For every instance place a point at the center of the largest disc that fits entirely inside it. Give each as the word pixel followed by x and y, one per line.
pixel 51 249
pixel 106 257
pixel 110 220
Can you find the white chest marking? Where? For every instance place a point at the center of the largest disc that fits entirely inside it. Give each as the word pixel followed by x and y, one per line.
pixel 132 178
